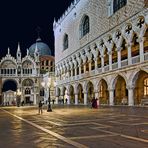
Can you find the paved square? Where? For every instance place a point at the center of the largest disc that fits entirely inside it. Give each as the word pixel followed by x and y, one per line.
pixel 74 126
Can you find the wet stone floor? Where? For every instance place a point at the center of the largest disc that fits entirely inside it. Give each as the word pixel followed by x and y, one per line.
pixel 74 127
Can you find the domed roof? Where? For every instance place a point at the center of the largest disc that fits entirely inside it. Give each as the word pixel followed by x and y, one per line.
pixel 42 48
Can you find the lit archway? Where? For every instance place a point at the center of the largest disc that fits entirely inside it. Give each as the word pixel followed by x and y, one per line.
pixel 71 94
pixel 120 93
pixel 103 92
pixel 80 94
pixel 90 92
pixel 9 89
pixel 141 86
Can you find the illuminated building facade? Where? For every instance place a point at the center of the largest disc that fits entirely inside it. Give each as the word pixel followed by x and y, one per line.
pixel 101 51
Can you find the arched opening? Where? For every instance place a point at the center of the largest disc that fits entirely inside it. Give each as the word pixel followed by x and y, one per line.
pixel 65 42
pixel 65 97
pixel 120 93
pixel 92 63
pixel 99 60
pixel 103 92
pixel 141 87
pixel 84 26
pixel 124 51
pixel 80 94
pixel 106 57
pixel 90 90
pixel 135 46
pixel 28 87
pixel 71 95
pixel 146 41
pixel 114 54
pixel 9 92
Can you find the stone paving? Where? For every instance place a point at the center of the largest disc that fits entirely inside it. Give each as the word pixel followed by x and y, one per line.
pixel 74 126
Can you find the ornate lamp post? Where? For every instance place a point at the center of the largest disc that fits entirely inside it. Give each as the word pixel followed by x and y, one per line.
pixel 49 100
pixel 47 85
pixel 18 100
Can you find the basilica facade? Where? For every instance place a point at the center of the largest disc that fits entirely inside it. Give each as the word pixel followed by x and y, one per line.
pixel 26 74
pixel 101 51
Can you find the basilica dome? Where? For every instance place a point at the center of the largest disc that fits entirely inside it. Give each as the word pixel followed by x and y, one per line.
pixel 42 48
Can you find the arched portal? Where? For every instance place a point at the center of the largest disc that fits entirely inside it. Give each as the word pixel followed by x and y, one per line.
pixel 80 94
pixel 121 93
pixel 9 89
pixel 71 94
pixel 141 86
pixel 28 88
pixel 103 92
pixel 65 95
pixel 90 91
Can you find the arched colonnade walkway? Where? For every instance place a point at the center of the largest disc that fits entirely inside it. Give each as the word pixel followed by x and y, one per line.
pixel 127 88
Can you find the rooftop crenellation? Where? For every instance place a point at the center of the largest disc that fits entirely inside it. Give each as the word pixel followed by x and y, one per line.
pixel 69 9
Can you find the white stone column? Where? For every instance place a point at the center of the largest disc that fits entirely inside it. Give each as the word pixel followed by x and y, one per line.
pixel 110 60
pixel 76 99
pixel 75 71
pixel 111 97
pixel 102 63
pixel 71 72
pixel 129 46
pixel 85 98
pixel 68 99
pixel 79 69
pixel 141 50
pixel 119 58
pixel 56 100
pixel 131 96
pixel 35 99
pixel 89 63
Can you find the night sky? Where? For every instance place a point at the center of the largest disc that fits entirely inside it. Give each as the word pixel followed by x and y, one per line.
pixel 20 18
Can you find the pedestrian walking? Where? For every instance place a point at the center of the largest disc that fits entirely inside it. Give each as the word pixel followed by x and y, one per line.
pixel 40 107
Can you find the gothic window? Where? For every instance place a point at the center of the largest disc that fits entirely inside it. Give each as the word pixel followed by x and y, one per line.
pixel 84 29
pixel 117 4
pixel 65 42
pixel 146 87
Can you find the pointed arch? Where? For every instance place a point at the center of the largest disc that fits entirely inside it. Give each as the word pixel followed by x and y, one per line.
pixel 84 26
pixel 65 41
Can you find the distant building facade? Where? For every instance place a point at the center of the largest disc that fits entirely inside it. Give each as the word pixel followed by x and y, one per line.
pixel 101 51
pixel 25 73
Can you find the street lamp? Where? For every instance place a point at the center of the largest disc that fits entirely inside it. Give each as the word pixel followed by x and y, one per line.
pixel 18 94
pixel 47 84
pixel 49 105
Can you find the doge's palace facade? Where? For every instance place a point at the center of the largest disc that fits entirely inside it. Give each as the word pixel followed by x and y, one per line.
pixel 101 50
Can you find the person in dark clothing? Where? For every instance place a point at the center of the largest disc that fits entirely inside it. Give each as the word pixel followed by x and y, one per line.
pixel 40 107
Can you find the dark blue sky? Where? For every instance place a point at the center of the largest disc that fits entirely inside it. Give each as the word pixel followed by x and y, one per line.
pixel 20 18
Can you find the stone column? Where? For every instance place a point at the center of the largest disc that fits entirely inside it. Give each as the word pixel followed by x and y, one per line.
pixel 111 97
pixel 72 72
pixel 79 69
pixel 85 98
pixel 131 96
pixel 129 46
pixel 68 99
pixel 75 71
pixel 89 62
pixel 56 100
pixel 102 63
pixel 76 99
pixel 35 98
pixel 97 95
pixel 119 58
pixel 110 60
pixel 141 41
